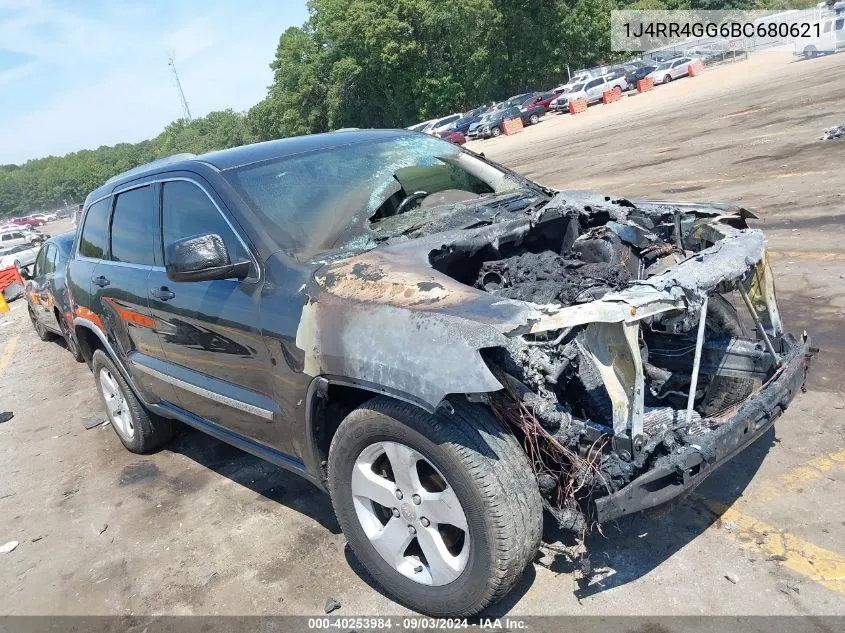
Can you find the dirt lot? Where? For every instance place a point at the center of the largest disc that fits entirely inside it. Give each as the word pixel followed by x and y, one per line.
pixel 201 528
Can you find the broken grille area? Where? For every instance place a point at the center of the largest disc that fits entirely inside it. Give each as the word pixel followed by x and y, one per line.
pixel 562 387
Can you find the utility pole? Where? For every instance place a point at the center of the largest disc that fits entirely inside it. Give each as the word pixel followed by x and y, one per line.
pixel 186 111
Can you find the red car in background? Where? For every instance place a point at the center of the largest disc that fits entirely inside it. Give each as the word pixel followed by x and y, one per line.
pixel 544 99
pixel 453 136
pixel 30 222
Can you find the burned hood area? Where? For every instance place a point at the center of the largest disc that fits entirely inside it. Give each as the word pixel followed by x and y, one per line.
pixel 618 339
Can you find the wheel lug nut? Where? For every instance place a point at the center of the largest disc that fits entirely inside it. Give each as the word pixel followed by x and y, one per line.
pixel 412 529
pixel 425 522
pixel 416 499
pixel 398 494
pixel 396 512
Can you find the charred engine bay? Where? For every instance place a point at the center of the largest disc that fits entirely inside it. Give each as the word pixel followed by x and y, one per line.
pixel 555 396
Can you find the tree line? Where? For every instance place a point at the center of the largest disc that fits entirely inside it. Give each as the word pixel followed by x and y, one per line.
pixel 369 64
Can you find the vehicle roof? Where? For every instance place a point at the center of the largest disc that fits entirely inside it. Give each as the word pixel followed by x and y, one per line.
pixel 225 159
pixel 63 240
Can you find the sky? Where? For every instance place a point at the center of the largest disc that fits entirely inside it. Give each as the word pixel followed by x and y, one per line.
pixel 78 74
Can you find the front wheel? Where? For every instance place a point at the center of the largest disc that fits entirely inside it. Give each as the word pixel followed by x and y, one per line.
pixel 495 132
pixel 667 79
pixel 443 510
pixel 533 119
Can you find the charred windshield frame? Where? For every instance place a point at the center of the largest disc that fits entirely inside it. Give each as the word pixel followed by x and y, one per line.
pixel 337 221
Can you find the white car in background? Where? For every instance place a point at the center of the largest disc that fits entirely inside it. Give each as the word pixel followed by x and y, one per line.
pixel 591 91
pixel 671 69
pixel 419 127
pixel 438 125
pixel 18 256
pixel 831 38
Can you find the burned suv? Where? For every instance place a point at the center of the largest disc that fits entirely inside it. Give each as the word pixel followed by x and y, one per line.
pixel 446 347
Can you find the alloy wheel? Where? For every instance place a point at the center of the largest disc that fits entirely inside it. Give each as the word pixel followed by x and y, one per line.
pixel 410 513
pixel 116 404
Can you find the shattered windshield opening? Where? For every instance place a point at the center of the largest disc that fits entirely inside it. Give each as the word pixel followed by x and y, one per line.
pixel 346 197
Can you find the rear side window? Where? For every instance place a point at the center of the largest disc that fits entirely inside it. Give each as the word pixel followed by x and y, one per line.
pixel 94 239
pixel 132 227
pixel 594 83
pixel 187 212
pixel 50 260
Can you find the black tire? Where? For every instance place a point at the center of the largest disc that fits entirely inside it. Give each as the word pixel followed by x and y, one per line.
pixel 40 329
pixel 667 79
pixel 810 52
pixel 724 391
pixel 494 132
pixel 149 431
pixel 533 119
pixel 70 339
pixel 488 471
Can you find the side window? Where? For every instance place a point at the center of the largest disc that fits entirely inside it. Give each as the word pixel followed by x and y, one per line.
pixel 187 211
pixel 50 260
pixel 840 24
pixel 827 26
pixel 5 237
pixel 132 236
pixel 39 262
pixel 94 239
pixel 17 236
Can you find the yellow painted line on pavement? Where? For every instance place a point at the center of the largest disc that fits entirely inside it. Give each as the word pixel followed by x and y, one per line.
pixel 797 478
pixel 818 564
pixel 8 350
pixel 814 255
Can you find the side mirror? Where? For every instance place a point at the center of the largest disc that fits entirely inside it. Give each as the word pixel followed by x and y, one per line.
pixel 202 258
pixel 24 273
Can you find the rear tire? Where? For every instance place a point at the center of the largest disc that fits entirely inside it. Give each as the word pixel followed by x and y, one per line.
pixel 40 329
pixel 667 79
pixel 533 119
pixel 495 132
pixel 70 340
pixel 139 430
pixel 487 476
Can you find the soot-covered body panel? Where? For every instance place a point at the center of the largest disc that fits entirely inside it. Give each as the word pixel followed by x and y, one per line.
pixel 546 314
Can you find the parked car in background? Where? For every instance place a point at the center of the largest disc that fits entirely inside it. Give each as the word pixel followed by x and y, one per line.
pixel 28 222
pixel 47 298
pixel 441 123
pixel 419 127
pixel 591 91
pixel 18 256
pixel 561 102
pixel 544 99
pixel 831 38
pixel 640 73
pixel 453 136
pixel 16 237
pixel 463 124
pixel 668 71
pixel 492 125
pixel 579 78
pixel 47 217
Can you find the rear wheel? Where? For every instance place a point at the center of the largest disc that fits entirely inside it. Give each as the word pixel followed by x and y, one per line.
pixel 533 119
pixel 667 79
pixel 70 339
pixel 495 132
pixel 43 333
pixel 442 510
pixel 138 430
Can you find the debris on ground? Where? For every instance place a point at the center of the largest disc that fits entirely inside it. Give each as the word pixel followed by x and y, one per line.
pixel 5 416
pixel 8 547
pixel 35 539
pixel 332 605
pixel 732 578
pixel 730 526
pixel 91 421
pixel 777 557
pixel 102 528
pixel 834 132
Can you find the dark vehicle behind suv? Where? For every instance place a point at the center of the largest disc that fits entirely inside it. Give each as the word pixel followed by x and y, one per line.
pixel 400 321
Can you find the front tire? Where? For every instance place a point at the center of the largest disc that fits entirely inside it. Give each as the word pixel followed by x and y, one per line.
pixel 667 79
pixel 391 465
pixel 533 119
pixel 138 430
pixel 495 132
